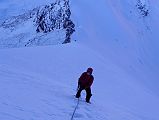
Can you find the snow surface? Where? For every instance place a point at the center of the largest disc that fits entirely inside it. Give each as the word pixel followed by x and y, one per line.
pixel 119 33
pixel 38 83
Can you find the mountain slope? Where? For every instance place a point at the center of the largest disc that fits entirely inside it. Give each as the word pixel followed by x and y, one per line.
pixel 119 32
pixel 48 24
pixel 118 39
pixel 38 83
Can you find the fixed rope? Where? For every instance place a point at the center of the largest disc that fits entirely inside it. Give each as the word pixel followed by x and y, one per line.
pixel 75 110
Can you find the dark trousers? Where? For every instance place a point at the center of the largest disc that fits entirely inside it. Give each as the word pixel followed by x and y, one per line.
pixel 88 93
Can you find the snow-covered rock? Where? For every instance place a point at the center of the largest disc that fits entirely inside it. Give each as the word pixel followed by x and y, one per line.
pixel 44 25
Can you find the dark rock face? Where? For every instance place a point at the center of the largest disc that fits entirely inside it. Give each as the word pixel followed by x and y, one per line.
pixel 69 26
pixel 55 16
pixel 144 11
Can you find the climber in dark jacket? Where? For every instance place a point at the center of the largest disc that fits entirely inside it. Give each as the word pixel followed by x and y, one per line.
pixel 84 83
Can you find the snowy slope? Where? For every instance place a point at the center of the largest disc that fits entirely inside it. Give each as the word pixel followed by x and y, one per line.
pixel 117 28
pixel 41 87
pixel 38 83
pixel 114 38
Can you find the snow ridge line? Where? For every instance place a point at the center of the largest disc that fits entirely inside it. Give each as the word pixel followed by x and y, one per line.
pixel 75 110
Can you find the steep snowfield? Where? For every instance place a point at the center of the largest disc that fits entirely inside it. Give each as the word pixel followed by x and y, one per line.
pixel 113 38
pixel 39 83
pixel 118 31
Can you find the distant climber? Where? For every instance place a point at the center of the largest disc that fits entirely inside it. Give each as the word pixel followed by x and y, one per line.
pixel 84 83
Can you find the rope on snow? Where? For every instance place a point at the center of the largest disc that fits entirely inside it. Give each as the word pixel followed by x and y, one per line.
pixel 75 110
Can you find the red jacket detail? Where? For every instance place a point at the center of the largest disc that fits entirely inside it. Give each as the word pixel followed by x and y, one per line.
pixel 85 80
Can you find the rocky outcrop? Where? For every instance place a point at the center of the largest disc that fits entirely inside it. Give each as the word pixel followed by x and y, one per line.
pixel 44 25
pixel 143 9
